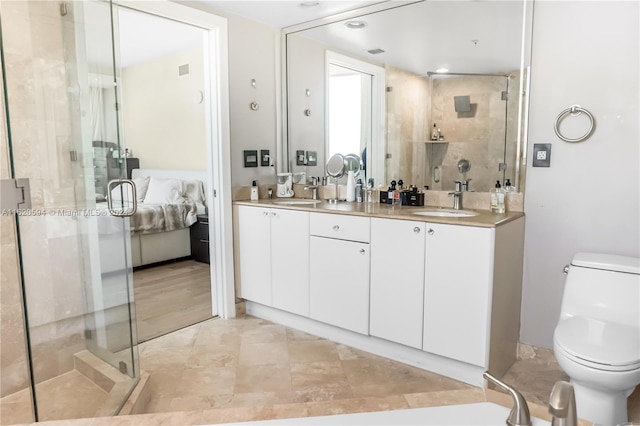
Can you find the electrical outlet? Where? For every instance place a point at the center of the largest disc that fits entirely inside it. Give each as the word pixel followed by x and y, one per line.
pixel 541 155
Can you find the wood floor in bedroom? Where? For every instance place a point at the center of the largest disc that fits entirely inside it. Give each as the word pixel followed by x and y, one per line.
pixel 171 296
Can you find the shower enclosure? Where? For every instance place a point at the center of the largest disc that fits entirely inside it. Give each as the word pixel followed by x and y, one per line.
pixel 68 338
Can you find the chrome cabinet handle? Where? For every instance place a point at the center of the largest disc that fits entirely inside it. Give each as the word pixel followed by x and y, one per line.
pixel 265 213
pixel 416 229
pixel 274 214
pixel 431 231
pixel 362 251
pixel 336 227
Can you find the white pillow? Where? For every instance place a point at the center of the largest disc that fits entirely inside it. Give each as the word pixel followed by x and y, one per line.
pixel 124 191
pixel 142 185
pixel 165 191
pixel 194 191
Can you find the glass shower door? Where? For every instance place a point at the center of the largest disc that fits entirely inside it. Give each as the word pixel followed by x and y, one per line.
pixel 74 256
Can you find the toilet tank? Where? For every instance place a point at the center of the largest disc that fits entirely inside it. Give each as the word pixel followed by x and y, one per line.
pixel 603 286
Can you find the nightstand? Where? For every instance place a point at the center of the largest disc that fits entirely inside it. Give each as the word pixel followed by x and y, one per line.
pixel 200 239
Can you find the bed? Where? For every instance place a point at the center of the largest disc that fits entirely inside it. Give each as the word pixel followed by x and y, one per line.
pixel 168 204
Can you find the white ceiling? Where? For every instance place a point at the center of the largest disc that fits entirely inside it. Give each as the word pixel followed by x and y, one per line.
pixel 279 14
pixel 418 37
pixel 463 36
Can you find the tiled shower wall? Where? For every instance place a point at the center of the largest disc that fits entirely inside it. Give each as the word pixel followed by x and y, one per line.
pixel 38 42
pixel 478 136
pixel 415 103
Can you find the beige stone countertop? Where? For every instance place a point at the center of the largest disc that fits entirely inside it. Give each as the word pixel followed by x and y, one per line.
pixel 484 218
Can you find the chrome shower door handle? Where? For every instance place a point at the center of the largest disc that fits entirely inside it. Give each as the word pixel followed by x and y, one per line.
pixel 122 212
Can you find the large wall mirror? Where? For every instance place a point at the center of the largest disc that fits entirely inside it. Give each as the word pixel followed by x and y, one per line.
pixel 442 92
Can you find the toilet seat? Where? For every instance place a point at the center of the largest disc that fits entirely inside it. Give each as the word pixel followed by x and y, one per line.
pixel 598 344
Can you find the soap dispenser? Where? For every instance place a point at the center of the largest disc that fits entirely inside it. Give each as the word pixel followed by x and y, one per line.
pixel 254 191
pixel 494 197
pixel 497 198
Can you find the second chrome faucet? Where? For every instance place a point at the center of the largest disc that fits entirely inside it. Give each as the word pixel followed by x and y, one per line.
pixel 457 196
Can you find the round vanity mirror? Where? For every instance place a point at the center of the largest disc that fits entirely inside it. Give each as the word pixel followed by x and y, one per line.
pixel 336 166
pixel 353 163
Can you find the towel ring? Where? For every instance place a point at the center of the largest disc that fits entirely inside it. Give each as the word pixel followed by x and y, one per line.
pixel 574 110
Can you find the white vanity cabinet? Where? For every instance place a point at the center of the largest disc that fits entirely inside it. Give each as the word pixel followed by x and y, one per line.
pixel 339 271
pixel 254 240
pixel 397 280
pixel 458 291
pixel 274 257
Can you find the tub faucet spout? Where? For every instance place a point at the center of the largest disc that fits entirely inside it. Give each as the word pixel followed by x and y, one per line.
pixel 519 415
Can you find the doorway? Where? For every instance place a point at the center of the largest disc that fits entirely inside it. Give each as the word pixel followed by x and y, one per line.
pixel 161 71
pixel 62 308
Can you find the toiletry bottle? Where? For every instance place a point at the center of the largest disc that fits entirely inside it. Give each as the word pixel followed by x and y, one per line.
pixel 434 133
pixel 351 186
pixel 501 204
pixel 508 188
pixel 359 191
pixel 494 196
pixel 391 192
pixel 254 191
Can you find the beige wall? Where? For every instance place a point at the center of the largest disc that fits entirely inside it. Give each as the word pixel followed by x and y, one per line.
pixel 163 118
pixel 408 110
pixel 252 55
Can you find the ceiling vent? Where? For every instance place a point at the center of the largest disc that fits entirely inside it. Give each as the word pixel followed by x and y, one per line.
pixel 375 51
pixel 183 70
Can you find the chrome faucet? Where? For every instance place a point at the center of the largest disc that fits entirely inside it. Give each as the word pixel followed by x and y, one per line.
pixel 519 415
pixel 457 196
pixel 465 185
pixel 562 405
pixel 313 187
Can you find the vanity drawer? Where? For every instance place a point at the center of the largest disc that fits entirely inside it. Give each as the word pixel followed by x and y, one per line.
pixel 342 227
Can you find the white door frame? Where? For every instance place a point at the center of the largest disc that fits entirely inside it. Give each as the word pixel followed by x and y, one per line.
pixel 376 154
pixel 218 143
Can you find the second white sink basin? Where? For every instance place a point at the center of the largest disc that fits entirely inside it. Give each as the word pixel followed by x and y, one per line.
pixel 446 213
pixel 296 202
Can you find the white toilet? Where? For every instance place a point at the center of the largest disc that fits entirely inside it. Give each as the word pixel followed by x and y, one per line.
pixel 597 340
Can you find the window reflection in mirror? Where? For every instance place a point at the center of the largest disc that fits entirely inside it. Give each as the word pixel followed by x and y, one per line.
pixel 349 113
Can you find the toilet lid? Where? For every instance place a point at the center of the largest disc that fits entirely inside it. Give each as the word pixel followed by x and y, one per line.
pixel 599 342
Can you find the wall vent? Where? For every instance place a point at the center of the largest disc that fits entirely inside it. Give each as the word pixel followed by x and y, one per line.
pixel 183 70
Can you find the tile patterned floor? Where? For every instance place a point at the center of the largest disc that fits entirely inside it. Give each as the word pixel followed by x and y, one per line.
pixel 249 361
pixel 248 369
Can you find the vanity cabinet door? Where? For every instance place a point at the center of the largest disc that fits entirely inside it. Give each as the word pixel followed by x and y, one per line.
pixel 457 295
pixel 397 280
pixel 290 260
pixel 254 240
pixel 339 283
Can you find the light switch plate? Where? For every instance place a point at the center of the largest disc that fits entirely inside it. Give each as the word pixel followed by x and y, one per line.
pixel 541 155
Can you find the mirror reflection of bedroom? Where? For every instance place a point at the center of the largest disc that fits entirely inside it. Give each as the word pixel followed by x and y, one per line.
pixel 163 128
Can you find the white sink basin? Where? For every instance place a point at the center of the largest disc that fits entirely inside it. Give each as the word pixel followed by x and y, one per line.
pixel 446 213
pixel 296 202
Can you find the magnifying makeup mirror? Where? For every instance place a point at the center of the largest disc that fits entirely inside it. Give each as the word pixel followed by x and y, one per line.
pixel 353 163
pixel 336 167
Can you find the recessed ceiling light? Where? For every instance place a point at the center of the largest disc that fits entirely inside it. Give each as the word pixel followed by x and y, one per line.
pixel 355 25
pixel 442 70
pixel 375 51
pixel 309 3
